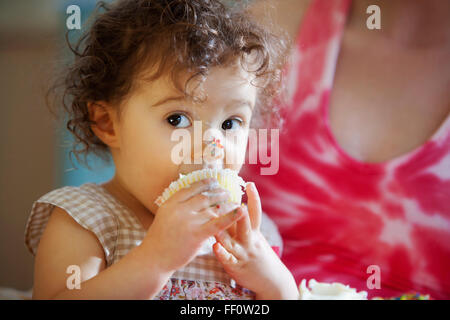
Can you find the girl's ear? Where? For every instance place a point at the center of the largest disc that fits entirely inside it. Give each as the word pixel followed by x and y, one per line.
pixel 104 126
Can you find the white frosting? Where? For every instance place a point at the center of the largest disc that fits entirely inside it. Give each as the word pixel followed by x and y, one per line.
pixel 329 291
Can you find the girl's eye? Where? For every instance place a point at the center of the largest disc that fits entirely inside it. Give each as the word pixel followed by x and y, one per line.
pixel 178 121
pixel 231 124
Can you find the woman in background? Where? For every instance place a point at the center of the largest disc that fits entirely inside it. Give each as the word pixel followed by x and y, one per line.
pixel 362 195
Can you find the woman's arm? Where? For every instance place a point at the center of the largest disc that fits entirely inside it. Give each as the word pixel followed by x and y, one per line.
pixel 66 243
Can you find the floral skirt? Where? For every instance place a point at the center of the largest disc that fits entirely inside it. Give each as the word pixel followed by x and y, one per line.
pixel 177 289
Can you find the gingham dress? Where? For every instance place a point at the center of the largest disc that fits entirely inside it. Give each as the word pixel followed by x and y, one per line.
pixel 118 231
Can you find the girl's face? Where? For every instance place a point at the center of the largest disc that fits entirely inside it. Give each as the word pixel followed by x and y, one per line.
pixel 144 151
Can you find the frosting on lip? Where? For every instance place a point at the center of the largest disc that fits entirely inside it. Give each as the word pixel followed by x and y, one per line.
pixel 211 157
pixel 214 151
pixel 328 291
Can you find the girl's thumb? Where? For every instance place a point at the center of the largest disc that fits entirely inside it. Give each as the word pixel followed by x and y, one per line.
pixel 218 224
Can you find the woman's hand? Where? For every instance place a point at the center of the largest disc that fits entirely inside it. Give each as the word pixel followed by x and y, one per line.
pixel 248 258
pixel 186 220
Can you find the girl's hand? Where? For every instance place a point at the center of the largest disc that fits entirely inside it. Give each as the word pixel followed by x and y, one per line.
pixel 186 220
pixel 248 258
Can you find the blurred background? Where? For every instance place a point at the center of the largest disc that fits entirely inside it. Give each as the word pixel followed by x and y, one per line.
pixel 34 149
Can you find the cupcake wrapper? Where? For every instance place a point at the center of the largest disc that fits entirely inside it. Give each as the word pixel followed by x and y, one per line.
pixel 227 178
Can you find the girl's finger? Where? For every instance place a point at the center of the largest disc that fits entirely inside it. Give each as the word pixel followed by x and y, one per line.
pixel 207 200
pixel 254 205
pixel 225 239
pixel 224 208
pixel 194 189
pixel 230 244
pixel 243 226
pixel 216 225
pixel 232 230
pixel 216 210
pixel 226 258
pixel 206 215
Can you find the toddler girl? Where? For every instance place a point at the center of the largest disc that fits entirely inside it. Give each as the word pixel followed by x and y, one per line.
pixel 144 70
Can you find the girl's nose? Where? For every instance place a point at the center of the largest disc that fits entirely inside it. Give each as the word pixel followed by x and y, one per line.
pixel 209 154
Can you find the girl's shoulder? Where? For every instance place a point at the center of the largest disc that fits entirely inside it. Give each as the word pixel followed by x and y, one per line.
pixel 87 204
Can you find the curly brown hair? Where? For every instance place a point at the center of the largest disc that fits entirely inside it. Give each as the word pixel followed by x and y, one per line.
pixel 176 36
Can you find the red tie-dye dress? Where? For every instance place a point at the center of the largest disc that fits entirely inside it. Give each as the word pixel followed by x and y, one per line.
pixel 341 219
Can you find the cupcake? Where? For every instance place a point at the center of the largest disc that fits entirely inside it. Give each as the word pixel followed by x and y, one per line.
pixel 328 291
pixel 227 178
